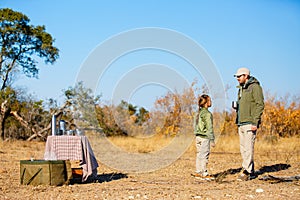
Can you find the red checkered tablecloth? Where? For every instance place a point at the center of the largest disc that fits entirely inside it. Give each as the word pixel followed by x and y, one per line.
pixel 72 148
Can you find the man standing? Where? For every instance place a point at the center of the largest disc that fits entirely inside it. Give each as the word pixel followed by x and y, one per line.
pixel 250 106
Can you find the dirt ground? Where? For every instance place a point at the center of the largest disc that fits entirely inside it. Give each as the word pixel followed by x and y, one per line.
pixel 172 182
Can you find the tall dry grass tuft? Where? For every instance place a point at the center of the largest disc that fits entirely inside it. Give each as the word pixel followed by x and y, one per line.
pixel 227 144
pixel 285 149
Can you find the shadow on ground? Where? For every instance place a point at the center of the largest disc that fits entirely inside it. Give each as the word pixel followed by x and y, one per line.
pixel 110 177
pixel 272 168
pixel 265 169
pixel 100 178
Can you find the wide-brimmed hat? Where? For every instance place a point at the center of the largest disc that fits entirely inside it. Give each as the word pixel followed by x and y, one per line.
pixel 242 71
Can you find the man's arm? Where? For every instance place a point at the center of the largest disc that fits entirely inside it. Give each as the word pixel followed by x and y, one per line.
pixel 259 107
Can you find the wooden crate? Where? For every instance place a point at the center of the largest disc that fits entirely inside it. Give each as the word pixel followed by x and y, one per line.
pixel 44 172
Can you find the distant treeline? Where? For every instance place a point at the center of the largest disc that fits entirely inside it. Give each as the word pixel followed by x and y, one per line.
pixel 173 114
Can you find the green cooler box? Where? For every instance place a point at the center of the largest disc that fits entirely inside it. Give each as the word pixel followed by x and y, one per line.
pixel 44 172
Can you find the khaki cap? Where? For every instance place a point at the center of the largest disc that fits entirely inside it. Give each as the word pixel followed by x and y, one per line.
pixel 242 71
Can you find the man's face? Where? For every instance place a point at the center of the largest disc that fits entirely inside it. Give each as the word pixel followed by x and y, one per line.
pixel 241 78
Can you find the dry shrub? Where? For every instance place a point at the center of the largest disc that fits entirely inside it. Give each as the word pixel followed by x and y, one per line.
pixel 281 117
pixel 176 110
pixel 173 114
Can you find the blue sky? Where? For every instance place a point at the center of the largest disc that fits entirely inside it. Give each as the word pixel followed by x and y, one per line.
pixel 263 35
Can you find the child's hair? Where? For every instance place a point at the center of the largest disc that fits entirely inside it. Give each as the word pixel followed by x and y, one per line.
pixel 203 100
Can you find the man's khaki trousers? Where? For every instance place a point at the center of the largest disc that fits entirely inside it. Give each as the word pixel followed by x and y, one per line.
pixel 247 140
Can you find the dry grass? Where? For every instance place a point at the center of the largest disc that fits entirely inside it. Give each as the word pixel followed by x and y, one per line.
pixel 22 150
pixel 225 144
pixel 171 182
pixel 284 150
pixel 140 145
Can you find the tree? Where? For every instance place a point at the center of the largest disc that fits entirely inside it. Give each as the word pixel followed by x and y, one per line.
pixel 20 44
pixel 82 106
pixel 28 119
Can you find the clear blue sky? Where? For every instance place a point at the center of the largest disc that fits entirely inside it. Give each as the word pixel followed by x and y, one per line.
pixel 263 35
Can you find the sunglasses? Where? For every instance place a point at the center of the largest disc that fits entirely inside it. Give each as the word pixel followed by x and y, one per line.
pixel 239 76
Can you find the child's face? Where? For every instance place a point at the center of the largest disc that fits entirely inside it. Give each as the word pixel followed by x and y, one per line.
pixel 208 103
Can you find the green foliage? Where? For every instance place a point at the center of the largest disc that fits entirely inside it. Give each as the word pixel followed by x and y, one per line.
pixel 30 110
pixel 82 105
pixel 106 120
pixel 142 116
pixel 124 119
pixel 19 41
pixel 20 44
pixel 138 115
pixel 172 115
pixel 8 94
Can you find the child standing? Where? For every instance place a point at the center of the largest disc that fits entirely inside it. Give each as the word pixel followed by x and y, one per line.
pixel 203 129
